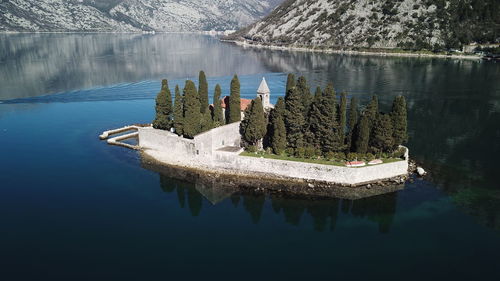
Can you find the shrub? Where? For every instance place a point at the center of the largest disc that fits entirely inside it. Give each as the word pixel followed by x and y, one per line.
pixel 369 157
pixel 252 148
pixel 330 155
pixel 352 156
pixel 300 152
pixel 289 151
pixel 399 153
pixel 310 152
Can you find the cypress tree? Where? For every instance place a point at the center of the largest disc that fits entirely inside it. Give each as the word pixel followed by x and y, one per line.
pixel 163 108
pixel 305 92
pixel 278 138
pixel 192 115
pixel 363 134
pixel 328 129
pixel 342 117
pixel 372 110
pixel 399 120
pixel 314 120
pixel 234 101
pixel 178 112
pixel 203 92
pixel 294 119
pixel 353 120
pixel 290 83
pixel 217 113
pixel 254 127
pixel 206 122
pixel 382 134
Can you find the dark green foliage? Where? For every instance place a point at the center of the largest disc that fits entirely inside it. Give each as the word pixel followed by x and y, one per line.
pixel 305 92
pixel 329 129
pixel 192 115
pixel 294 119
pixel 234 101
pixel 278 138
pixel 217 113
pixel 203 92
pixel 178 112
pixel 372 110
pixel 342 117
pixel 353 120
pixel 253 129
pixel 290 83
pixel 163 108
pixel 382 140
pixel 399 120
pixel 363 134
pixel 206 122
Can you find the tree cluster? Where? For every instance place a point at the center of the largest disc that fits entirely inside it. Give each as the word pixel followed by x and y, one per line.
pixel 191 114
pixel 320 125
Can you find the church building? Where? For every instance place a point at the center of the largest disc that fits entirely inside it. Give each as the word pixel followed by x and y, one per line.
pixel 263 93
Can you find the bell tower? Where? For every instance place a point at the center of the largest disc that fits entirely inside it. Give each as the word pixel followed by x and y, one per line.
pixel 264 94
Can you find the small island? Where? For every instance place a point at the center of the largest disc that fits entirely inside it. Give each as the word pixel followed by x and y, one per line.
pixel 306 144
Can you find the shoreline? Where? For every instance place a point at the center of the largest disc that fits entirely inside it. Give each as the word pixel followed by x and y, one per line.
pixel 269 183
pixel 348 52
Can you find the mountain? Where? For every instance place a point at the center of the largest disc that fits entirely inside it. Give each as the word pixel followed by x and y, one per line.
pixel 130 15
pixel 408 24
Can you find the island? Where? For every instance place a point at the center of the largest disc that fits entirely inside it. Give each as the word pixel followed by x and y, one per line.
pixel 306 144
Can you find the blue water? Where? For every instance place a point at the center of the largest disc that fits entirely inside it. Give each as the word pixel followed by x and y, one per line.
pixel 75 208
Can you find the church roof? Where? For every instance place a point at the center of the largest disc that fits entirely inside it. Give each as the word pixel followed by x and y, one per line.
pixel 263 88
pixel 244 103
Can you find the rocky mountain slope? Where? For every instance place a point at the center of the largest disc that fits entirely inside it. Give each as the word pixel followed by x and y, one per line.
pixel 130 15
pixel 411 24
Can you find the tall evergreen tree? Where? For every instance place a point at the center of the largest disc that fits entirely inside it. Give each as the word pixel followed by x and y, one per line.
pixel 399 120
pixel 217 113
pixel 342 117
pixel 203 92
pixel 192 115
pixel 314 120
pixel 278 138
pixel 372 110
pixel 234 101
pixel 353 120
pixel 294 119
pixel 290 83
pixel 363 134
pixel 178 112
pixel 328 132
pixel 254 128
pixel 163 108
pixel 305 92
pixel 383 140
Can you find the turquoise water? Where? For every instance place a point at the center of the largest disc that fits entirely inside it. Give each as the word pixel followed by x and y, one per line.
pixel 74 208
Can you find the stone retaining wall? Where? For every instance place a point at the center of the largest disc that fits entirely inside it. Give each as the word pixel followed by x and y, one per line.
pixel 201 153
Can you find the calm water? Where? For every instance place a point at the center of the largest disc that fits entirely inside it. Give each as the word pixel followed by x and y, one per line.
pixel 74 208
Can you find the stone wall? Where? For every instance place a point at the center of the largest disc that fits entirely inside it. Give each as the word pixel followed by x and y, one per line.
pixel 202 153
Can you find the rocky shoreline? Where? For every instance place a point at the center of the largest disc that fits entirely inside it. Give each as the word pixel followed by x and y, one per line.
pixel 254 44
pixel 261 183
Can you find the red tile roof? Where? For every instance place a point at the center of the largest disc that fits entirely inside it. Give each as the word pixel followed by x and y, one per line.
pixel 244 103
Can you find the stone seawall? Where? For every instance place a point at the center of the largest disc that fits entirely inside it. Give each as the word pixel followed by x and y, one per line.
pixel 204 153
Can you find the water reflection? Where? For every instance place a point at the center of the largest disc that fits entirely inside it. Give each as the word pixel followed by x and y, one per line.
pixel 324 213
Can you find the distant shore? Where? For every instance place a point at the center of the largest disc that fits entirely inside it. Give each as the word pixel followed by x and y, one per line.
pixel 253 44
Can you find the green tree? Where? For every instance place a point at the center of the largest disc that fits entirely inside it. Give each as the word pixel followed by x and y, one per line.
pixel 353 120
pixel 234 101
pixel 363 134
pixel 254 127
pixel 278 138
pixel 217 113
pixel 314 119
pixel 382 134
pixel 203 92
pixel 192 115
pixel 294 119
pixel 290 83
pixel 342 117
pixel 372 110
pixel 399 120
pixel 305 92
pixel 178 112
pixel 328 131
pixel 206 122
pixel 163 108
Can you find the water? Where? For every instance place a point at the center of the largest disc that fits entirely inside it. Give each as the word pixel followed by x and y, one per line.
pixel 74 208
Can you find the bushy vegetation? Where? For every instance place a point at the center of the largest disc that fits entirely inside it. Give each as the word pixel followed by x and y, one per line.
pixel 325 133
pixel 191 114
